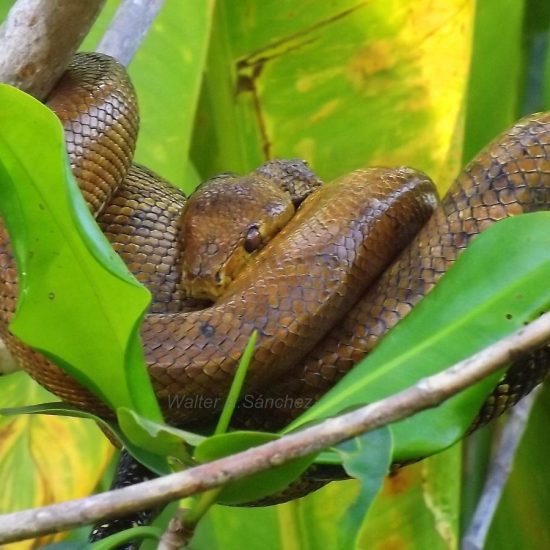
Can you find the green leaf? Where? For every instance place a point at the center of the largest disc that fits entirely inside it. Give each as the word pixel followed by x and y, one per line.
pixel 177 59
pixel 535 42
pixel 467 311
pixel 236 385
pixel 112 542
pixel 55 408
pixel 230 528
pixel 71 545
pixel 205 501
pixel 164 440
pixel 522 522
pixel 367 458
pixel 78 303
pixel 160 439
pixel 135 533
pixel 5 8
pixel 405 514
pixel 489 113
pixel 161 522
pixel 256 486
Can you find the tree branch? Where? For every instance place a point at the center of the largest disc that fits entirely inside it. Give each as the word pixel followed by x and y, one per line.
pixel 38 39
pixel 128 29
pixel 427 393
pixel 177 534
pixel 501 467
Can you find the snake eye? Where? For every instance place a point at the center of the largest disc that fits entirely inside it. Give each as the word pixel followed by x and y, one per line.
pixel 252 239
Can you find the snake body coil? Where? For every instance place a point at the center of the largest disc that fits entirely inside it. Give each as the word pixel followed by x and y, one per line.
pixel 319 293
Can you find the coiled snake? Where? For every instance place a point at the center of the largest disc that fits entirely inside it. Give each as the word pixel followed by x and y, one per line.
pixel 321 293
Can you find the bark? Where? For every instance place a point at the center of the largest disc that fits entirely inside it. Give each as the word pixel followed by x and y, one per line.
pixel 500 470
pixel 128 29
pixel 39 37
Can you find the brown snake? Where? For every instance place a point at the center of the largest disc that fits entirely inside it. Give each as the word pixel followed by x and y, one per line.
pixel 320 293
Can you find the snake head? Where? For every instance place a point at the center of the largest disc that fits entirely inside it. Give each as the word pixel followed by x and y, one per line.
pixel 225 222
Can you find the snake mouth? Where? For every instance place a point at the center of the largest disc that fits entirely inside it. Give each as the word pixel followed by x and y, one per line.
pixel 205 286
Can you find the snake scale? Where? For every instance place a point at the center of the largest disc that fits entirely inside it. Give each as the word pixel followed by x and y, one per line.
pixel 345 267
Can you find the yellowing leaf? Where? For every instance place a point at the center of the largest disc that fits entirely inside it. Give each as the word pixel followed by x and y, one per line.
pixel 414 511
pixel 343 84
pixel 45 459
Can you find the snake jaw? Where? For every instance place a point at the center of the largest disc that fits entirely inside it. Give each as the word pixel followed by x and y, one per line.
pixel 205 288
pixel 208 284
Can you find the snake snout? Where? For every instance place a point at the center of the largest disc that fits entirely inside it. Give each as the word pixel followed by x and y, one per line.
pixel 205 285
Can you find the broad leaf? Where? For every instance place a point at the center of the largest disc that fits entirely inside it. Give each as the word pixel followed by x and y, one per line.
pixel 520 521
pixel 488 113
pixel 160 439
pixel 499 283
pixel 256 486
pixel 152 444
pixel 418 506
pixel 72 545
pixel 341 84
pixel 536 31
pixel 45 459
pixel 407 513
pixel 366 458
pixel 78 303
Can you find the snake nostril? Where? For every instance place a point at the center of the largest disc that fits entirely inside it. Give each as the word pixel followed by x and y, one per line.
pixel 218 277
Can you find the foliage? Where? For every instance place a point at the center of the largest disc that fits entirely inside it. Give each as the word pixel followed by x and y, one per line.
pixel 45 459
pixel 72 278
pixel 344 85
pixel 453 322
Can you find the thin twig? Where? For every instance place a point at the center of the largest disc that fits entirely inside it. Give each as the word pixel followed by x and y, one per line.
pixel 128 29
pixel 39 37
pixel 427 393
pixel 177 534
pixel 501 467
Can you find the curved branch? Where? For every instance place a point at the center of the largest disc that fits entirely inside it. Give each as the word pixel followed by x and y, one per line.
pixel 128 29
pixel 501 467
pixel 39 37
pixel 427 393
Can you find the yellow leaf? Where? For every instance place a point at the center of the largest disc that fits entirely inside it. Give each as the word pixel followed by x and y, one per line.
pixel 342 84
pixel 45 459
